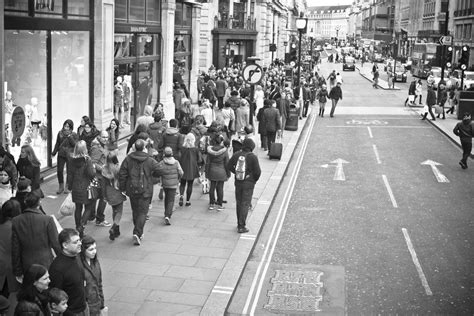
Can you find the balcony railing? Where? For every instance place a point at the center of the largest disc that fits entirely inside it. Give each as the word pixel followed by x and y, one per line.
pixel 236 23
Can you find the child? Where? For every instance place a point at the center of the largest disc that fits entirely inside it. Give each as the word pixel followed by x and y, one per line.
pixel 171 173
pixel 57 301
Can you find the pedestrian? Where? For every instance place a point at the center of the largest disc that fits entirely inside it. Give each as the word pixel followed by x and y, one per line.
pixel 452 99
pixel 465 131
pixel 242 116
pixel 284 108
pixel 147 118
pixel 390 79
pixel 170 171
pixel 375 72
pixel 172 138
pixel 23 188
pixel 418 92
pixel 411 93
pixel 217 171
pixel 228 115
pixel 34 234
pixel 136 180
pixel 190 161
pixel 221 86
pixel 430 102
pixel 247 172
pixel 335 95
pixel 114 134
pixel 272 122
pixel 322 97
pixel 185 117
pixel 7 174
pixel 332 79
pixel 67 273
pixel 306 99
pixel 28 166
pixel 111 191
pixel 32 297
pixel 442 98
pixel 8 283
pixel 88 134
pixel 65 142
pixel 207 112
pixel 93 276
pixel 259 97
pixel 57 301
pixel 85 119
pixel 98 154
pixel 156 130
pixel 80 174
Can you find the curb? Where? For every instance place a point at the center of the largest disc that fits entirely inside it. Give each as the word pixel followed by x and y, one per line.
pixel 225 285
pixel 378 85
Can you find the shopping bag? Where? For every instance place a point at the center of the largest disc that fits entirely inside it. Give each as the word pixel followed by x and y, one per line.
pixel 68 207
pixel 425 109
pixel 411 98
pixel 438 109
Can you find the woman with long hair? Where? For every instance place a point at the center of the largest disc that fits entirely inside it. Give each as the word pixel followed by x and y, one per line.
pixel 217 171
pixel 92 276
pixel 65 142
pixel 114 133
pixel 85 119
pixel 32 297
pixel 80 174
pixel 112 193
pixel 190 161
pixel 28 166
pixel 89 133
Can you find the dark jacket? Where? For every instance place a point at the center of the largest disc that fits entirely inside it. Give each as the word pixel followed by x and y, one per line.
pixel 284 107
pixel 110 189
pixel 26 169
pixel 79 175
pixel 442 96
pixel 221 86
pixel 216 163
pixel 6 270
pixel 98 154
pixel 65 143
pixel 134 161
pixel 252 169
pixel 155 131
pixel 20 197
pixel 88 137
pixel 412 88
pixel 465 131
pixel 234 102
pixel 261 127
pixel 322 95
pixel 33 236
pixel 271 120
pixel 37 308
pixel 172 138
pixel 430 97
pixel 94 292
pixel 336 93
pixel 190 161
pixel 170 171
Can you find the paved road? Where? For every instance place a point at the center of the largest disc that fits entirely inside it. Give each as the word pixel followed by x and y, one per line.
pixel 376 232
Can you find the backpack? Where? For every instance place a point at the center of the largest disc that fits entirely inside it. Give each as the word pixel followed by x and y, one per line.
pixel 137 179
pixel 240 168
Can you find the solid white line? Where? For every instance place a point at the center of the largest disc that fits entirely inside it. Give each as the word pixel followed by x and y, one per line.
pixel 370 132
pixel 275 230
pixel 376 154
pixel 414 257
pixel 389 190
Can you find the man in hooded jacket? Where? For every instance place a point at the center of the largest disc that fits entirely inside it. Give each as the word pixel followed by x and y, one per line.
pixel 465 131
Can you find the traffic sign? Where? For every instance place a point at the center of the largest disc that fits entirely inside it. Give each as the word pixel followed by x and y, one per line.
pixel 446 40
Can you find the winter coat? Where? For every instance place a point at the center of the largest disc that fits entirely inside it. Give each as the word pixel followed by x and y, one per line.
pixel 26 169
pixel 412 88
pixel 252 168
pixel 271 120
pixel 110 188
pixel 242 115
pixel 190 161
pixel 234 102
pixel 79 175
pixel 322 95
pixel 127 174
pixel 335 93
pixel 442 96
pixel 465 130
pixel 172 138
pixel 65 143
pixel 216 163
pixel 261 127
pixel 170 172
pixel 93 288
pixel 33 236
pixel 88 137
pixel 37 308
pixel 155 131
pixel 6 269
pixel 221 86
pixel 98 154
pixel 430 97
pixel 284 107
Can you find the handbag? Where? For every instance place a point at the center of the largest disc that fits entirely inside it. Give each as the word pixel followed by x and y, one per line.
pixel 93 190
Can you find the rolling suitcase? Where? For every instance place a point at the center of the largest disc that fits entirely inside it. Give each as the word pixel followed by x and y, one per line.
pixel 275 151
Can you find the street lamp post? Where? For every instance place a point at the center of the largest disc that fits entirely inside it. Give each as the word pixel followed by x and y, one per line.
pixel 338 27
pixel 311 36
pixel 301 26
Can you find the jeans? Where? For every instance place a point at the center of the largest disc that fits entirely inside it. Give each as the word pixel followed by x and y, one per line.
pixel 283 122
pixel 99 215
pixel 60 168
pixel 333 108
pixel 216 186
pixel 189 189
pixel 140 206
pixel 305 108
pixel 170 194
pixel 79 218
pixel 117 211
pixel 243 199
pixel 466 150
pixel 263 140
pixel 270 138
pixel 322 105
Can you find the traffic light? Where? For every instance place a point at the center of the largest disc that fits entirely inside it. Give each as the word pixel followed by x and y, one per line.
pixel 448 56
pixel 293 53
pixel 464 60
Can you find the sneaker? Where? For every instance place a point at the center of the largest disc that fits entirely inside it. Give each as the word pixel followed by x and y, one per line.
pixel 136 240
pixel 463 165
pixel 181 199
pixel 167 221
pixel 243 230
pixel 220 208
pixel 103 224
pixel 147 218
pixel 212 207
pixel 187 204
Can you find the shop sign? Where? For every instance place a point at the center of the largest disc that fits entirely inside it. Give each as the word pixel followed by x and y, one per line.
pixel 18 122
pixel 138 29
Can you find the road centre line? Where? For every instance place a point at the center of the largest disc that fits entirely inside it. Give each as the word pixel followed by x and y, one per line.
pixel 370 132
pixel 275 232
pixel 389 190
pixel 376 154
pixel 414 257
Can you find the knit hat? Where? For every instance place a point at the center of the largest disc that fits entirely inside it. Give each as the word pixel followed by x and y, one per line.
pixel 248 144
pixel 23 183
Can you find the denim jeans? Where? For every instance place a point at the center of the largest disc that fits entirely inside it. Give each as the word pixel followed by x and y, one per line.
pixel 99 215
pixel 60 168
pixel 117 211
pixel 466 150
pixel 170 194
pixel 140 206
pixel 216 187
pixel 80 218
pixel 243 200
pixel 333 108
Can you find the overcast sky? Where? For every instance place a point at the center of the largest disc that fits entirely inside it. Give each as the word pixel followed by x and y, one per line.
pixel 313 3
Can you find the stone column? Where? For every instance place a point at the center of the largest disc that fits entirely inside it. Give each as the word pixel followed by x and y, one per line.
pixel 195 35
pixel 103 62
pixel 166 89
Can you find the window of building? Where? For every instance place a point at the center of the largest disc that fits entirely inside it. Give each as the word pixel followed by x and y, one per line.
pixel 138 11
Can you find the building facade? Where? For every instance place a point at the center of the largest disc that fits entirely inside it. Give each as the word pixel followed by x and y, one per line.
pixel 328 22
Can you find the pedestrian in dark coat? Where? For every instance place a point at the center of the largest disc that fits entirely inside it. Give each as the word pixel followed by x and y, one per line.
pixel 139 129
pixel 335 94
pixel 92 276
pixel 89 133
pixel 411 92
pixel 272 122
pixel 80 174
pixel 191 160
pixel 465 131
pixel 156 130
pixel 430 102
pixel 32 297
pixel 172 138
pixel 65 142
pixel 217 171
pixel 28 166
pixel 33 236
pixel 261 126
pixel 442 98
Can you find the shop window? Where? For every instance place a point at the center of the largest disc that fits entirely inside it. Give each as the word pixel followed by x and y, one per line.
pixel 137 11
pixel 145 45
pixel 187 15
pixel 16 7
pixel 121 10
pixel 153 10
pixel 178 14
pixel 48 8
pixel 78 9
pixel 123 46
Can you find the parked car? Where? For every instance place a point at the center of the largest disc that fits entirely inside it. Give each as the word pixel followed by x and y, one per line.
pixel 468 78
pixel 399 73
pixel 349 63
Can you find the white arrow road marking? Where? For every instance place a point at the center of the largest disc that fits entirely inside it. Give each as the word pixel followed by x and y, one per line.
pixel 439 176
pixel 325 166
pixel 339 174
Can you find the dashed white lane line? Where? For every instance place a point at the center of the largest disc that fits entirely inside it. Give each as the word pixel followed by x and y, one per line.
pixel 414 257
pixel 370 132
pixel 377 157
pixel 389 190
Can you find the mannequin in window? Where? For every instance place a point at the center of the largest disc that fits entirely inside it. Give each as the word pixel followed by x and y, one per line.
pixel 118 100
pixel 143 92
pixel 33 120
pixel 127 98
pixel 9 107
